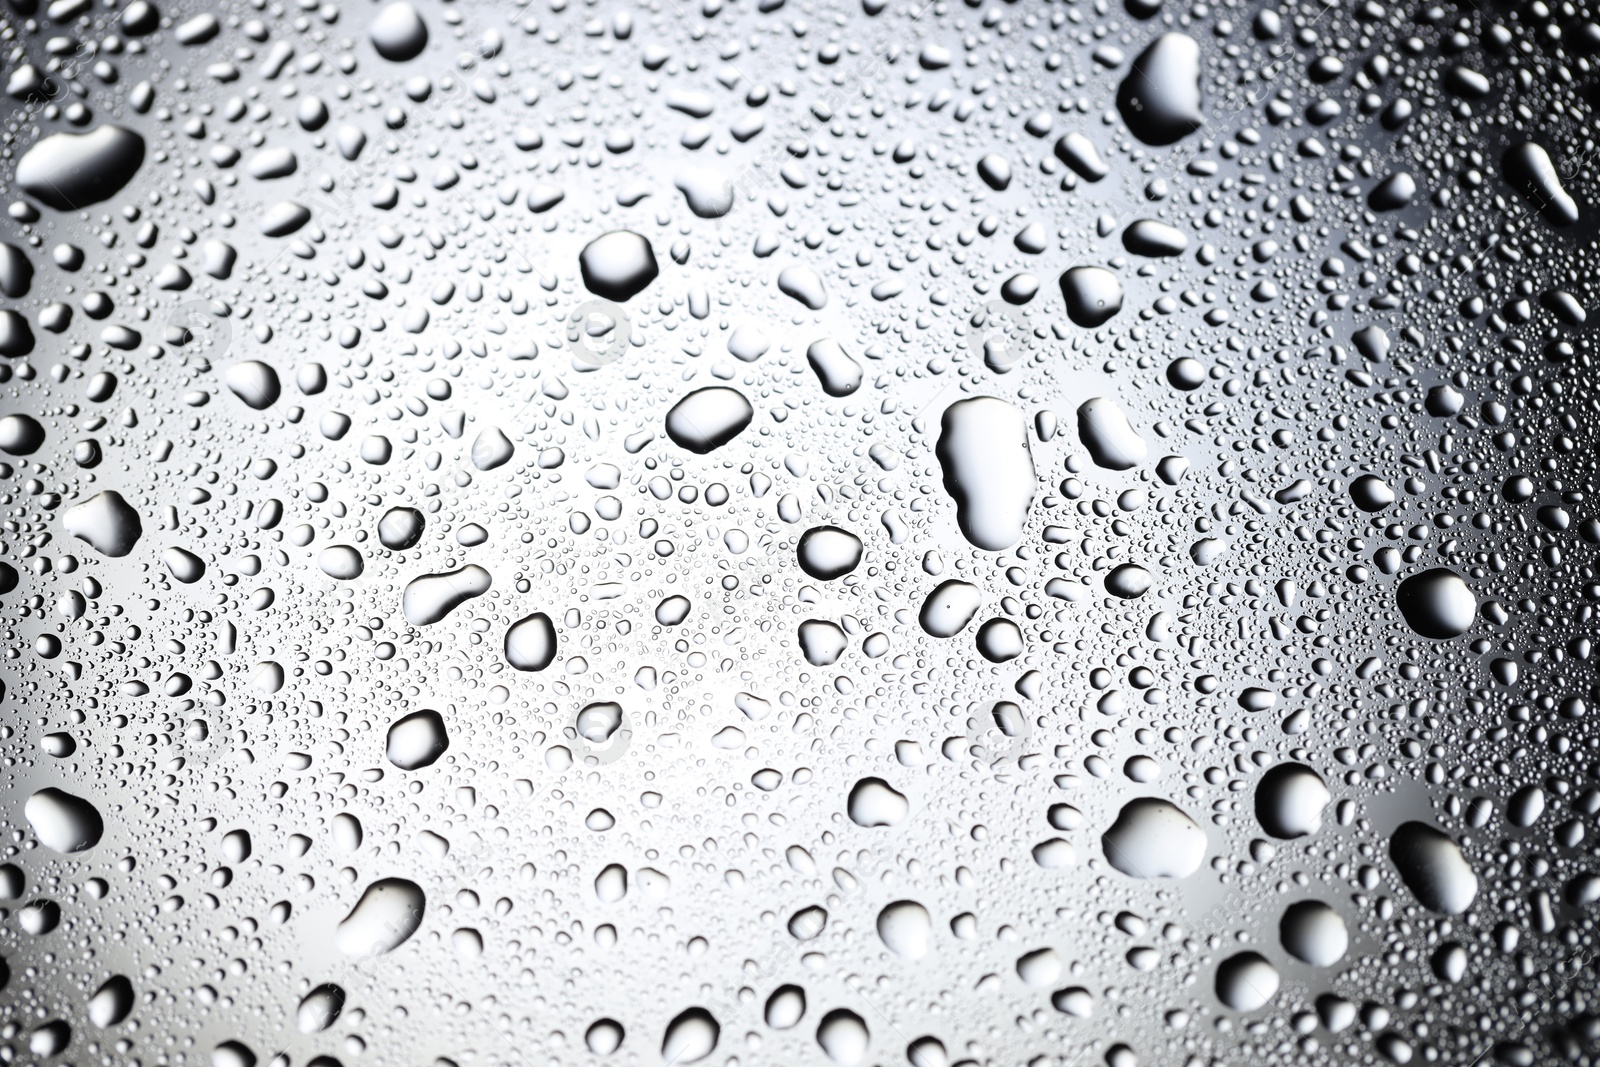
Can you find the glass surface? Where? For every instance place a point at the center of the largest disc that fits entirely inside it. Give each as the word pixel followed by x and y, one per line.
pixel 762 532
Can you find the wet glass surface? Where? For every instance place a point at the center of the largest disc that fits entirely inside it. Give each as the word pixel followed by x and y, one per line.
pixel 776 532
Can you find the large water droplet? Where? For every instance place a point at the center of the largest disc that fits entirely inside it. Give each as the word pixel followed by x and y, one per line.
pixel 398 33
pixel 844 1037
pixel 874 802
pixel 111 1003
pixel 617 265
pixel 319 1009
pixel 690 1037
pixel 106 522
pixel 988 469
pixel 1290 799
pixel 531 642
pixel 1154 838
pixel 1314 933
pixel 69 171
pixel 417 740
pixel 1437 604
pixel 906 928
pixel 949 607
pixel 1246 981
pixel 433 596
pixel 827 552
pixel 708 418
pixel 1093 295
pixel 20 435
pixel 390 910
pixel 1109 436
pixel 1529 170
pixel 63 822
pixel 1160 97
pixel 1432 867
pixel 786 1007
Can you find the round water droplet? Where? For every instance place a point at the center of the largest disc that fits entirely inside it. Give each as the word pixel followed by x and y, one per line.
pixel 400 528
pixel 786 1007
pixel 398 33
pixel 341 562
pixel 1290 799
pixel 1093 295
pixel 111 1003
pixel 843 1035
pixel 1246 981
pixel 604 1037
pixel 690 1037
pixel 827 552
pixel 320 1008
pixel 618 265
pixel 417 740
pixel 20 435
pixel 1437 604
pixel 531 642
pixel 906 928
pixel 1314 933
pixel 949 607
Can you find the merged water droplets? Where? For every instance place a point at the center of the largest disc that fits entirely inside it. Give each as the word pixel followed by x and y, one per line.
pixel 106 522
pixel 988 469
